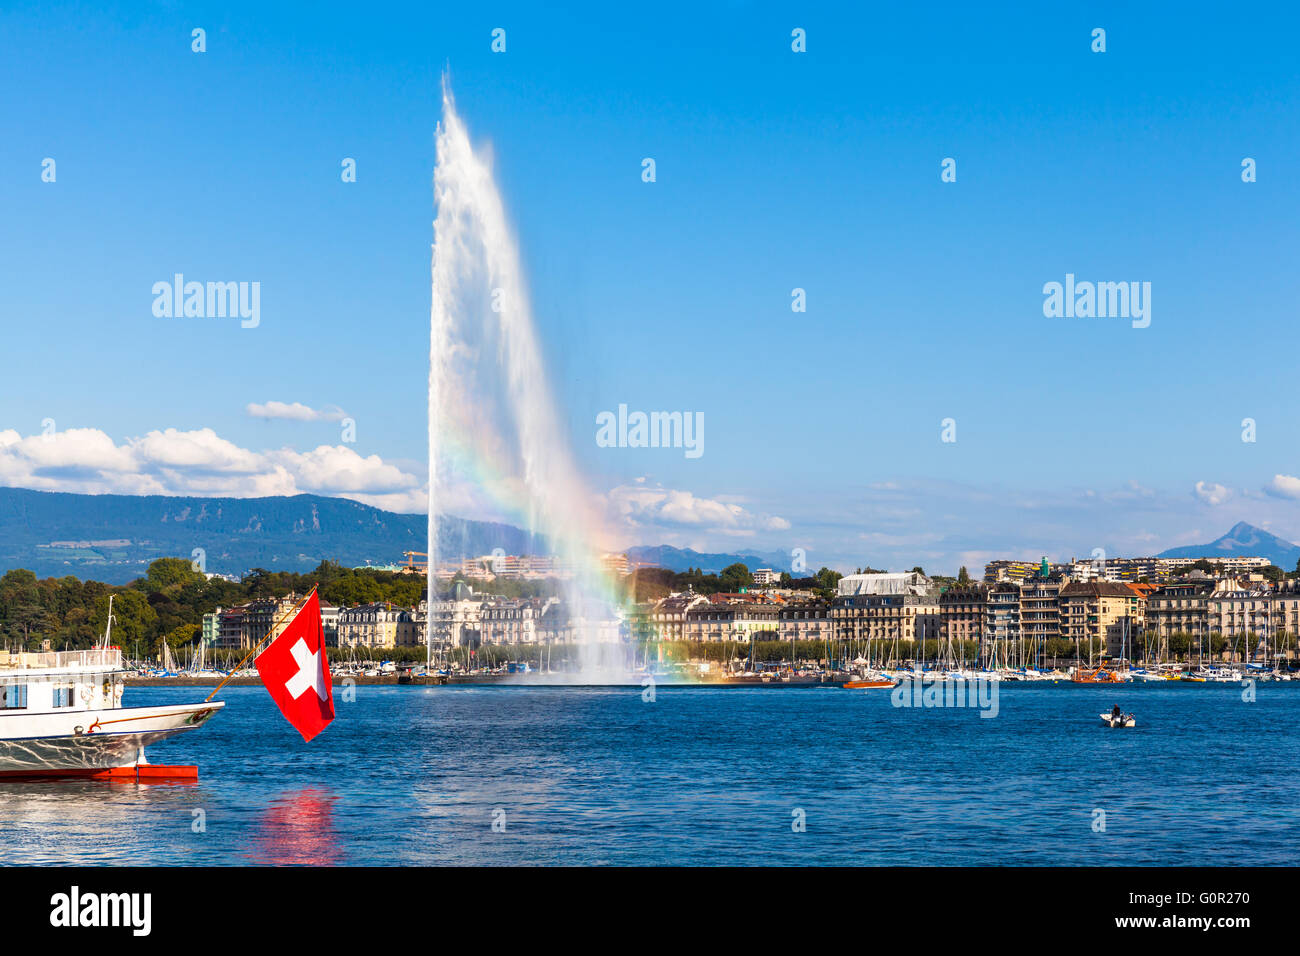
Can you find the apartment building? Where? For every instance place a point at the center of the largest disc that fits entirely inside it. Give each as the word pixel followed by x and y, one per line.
pixel 329 619
pixel 962 612
pixel 1002 613
pixel 886 617
pixel 1286 609
pixel 808 621
pixel 1001 570
pixel 457 621
pixel 667 616
pixel 1106 615
pixel 261 615
pixel 369 625
pixel 1244 617
pixel 510 621
pixel 733 622
pixel 212 628
pixel 1182 607
pixel 573 622
pixel 1040 609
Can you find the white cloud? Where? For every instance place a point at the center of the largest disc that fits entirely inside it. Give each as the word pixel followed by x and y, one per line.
pixel 1212 493
pixel 652 506
pixel 330 469
pixel 294 411
pixel 1284 486
pixel 201 450
pixel 199 462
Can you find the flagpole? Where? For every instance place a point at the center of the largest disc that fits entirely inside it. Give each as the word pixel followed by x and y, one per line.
pixel 269 634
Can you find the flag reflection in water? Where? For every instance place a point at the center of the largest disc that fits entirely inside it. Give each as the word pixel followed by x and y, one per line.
pixel 297 829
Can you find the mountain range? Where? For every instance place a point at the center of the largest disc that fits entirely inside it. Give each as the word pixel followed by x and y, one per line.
pixel 112 538
pixel 682 559
pixel 1242 540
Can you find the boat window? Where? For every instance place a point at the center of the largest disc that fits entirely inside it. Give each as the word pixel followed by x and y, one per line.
pixel 13 696
pixel 64 696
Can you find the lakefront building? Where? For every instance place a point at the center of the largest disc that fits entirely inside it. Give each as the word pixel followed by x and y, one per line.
pixel 886 607
pixel 510 621
pixel 211 628
pixel 1101 615
pixel 962 613
pixel 1002 614
pixel 457 621
pixel 262 614
pixel 1040 609
pixel 733 622
pixel 1245 617
pixel 230 628
pixel 667 616
pixel 1286 612
pixel 578 622
pixel 1180 608
pixel 807 621
pixel 369 625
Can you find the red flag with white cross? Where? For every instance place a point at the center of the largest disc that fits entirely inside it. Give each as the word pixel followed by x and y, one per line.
pixel 296 673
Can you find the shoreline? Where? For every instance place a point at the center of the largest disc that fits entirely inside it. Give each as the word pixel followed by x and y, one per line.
pixel 513 680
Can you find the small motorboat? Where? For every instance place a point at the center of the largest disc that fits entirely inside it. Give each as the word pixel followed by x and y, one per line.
pixel 1121 720
pixel 856 684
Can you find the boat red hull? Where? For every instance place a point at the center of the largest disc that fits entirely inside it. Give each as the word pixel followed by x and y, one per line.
pixel 142 773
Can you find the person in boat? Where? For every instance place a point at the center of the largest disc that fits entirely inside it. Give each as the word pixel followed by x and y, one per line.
pixel 1115 713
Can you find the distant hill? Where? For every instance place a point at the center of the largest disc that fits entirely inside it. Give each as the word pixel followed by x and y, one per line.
pixel 680 559
pixel 112 538
pixel 1243 540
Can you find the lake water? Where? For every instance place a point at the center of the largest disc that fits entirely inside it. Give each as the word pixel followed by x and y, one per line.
pixel 699 776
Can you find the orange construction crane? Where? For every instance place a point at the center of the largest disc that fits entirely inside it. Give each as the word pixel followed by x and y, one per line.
pixel 414 565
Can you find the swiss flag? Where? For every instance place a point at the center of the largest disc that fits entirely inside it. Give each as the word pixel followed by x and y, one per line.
pixel 296 673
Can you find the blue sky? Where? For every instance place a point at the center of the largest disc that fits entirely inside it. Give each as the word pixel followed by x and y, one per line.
pixel 775 170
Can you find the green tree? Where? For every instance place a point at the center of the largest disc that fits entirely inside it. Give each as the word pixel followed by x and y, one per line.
pixel 1273 573
pixel 736 576
pixel 827 579
pixel 133 621
pixel 167 573
pixel 183 635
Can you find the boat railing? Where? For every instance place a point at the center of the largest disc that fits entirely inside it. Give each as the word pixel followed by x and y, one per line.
pixel 60 660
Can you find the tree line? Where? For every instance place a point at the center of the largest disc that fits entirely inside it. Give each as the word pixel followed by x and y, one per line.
pixel 169 601
pixel 651 584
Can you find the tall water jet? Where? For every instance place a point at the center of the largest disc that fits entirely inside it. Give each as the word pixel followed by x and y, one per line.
pixel 495 438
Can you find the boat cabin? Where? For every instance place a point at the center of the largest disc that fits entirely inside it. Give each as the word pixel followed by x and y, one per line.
pixel 52 681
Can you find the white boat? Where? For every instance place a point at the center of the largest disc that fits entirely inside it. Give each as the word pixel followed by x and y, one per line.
pixel 61 714
pixel 1146 675
pixel 1123 720
pixel 1220 675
